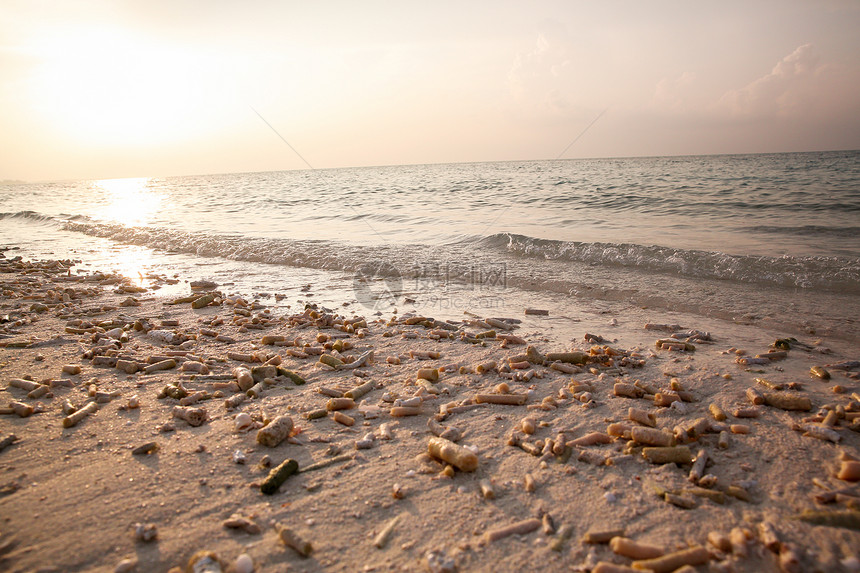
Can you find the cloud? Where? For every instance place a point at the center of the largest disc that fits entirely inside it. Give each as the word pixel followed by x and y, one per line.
pixel 806 101
pixel 540 79
pixel 789 88
pixel 675 94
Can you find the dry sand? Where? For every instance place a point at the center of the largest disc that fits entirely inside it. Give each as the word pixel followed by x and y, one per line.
pixel 72 498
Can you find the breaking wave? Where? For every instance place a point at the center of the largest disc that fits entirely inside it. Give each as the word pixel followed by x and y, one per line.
pixel 559 260
pixel 840 274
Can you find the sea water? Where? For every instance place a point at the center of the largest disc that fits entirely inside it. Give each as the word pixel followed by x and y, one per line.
pixel 772 238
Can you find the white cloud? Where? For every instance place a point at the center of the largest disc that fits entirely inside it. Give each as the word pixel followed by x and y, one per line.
pixel 675 94
pixel 540 80
pixel 791 87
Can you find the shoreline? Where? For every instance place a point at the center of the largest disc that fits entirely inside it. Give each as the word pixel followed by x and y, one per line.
pixel 71 497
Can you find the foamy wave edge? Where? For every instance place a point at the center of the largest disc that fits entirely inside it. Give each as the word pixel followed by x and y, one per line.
pixel 27 215
pixel 834 274
pixel 838 274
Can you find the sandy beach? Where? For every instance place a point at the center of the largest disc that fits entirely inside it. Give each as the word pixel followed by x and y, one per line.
pixel 139 429
pixel 375 288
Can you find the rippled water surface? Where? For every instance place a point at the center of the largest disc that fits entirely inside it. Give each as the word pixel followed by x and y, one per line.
pixel 713 234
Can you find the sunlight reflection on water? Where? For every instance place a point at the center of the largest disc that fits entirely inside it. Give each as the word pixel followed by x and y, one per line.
pixel 129 201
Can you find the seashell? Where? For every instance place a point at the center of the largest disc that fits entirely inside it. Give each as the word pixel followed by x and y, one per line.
pixel 145 449
pixel 239 457
pixel 165 336
pixel 125 566
pixel 204 562
pixel 242 421
pixel 244 564
pixel 145 532
pixel 437 561
pixel 680 407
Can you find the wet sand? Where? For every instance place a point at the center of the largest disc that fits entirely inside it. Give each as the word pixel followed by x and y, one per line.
pixel 133 487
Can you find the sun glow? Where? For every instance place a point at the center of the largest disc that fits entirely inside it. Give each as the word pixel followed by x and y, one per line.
pixel 110 87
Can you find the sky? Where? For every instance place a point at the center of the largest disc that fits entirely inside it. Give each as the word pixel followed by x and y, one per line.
pixel 110 89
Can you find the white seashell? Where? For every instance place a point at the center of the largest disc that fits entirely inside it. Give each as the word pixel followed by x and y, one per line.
pixel 165 336
pixel 125 566
pixel 679 407
pixel 239 457
pixel 244 564
pixel 437 561
pixel 243 421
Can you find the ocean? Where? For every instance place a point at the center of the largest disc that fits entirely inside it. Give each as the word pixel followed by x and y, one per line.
pixel 771 239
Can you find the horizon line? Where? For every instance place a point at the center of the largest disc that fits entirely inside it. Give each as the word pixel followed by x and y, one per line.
pixel 388 165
